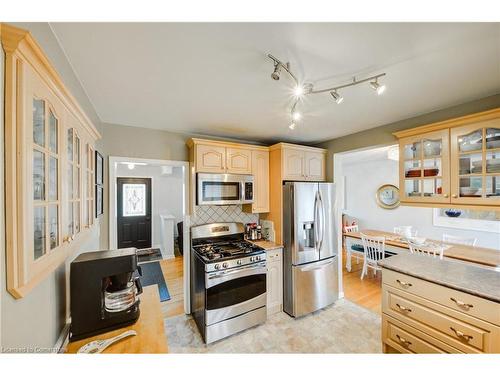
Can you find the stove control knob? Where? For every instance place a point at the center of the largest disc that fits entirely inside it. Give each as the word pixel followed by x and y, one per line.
pixel 217 266
pixel 224 265
pixel 251 259
pixel 239 262
pixel 257 257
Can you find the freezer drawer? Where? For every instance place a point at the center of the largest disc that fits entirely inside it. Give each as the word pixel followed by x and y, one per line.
pixel 315 285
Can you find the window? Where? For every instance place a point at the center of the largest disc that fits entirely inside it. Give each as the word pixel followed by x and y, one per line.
pixel 46 210
pixel 134 199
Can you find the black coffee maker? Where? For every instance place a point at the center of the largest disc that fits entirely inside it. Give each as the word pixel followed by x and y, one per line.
pixel 104 292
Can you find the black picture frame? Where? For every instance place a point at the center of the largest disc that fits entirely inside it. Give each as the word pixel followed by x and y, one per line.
pixel 99 169
pixel 99 200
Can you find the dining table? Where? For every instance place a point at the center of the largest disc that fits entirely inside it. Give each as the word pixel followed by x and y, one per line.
pixel 395 243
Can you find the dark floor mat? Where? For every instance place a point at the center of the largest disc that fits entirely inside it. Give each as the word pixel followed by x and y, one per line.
pixel 152 274
pixel 148 255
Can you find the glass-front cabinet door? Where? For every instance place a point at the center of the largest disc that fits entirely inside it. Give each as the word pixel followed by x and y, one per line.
pixel 475 168
pixel 424 165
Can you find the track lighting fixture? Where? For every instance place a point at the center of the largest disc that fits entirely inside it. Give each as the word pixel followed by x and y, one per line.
pixel 307 88
pixel 338 98
pixel 377 87
pixel 277 70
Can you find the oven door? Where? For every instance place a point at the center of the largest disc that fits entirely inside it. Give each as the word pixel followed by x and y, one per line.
pixel 218 189
pixel 234 292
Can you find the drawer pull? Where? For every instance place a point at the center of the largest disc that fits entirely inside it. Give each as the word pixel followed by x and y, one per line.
pixel 403 341
pixel 403 284
pixel 461 304
pixel 402 308
pixel 461 334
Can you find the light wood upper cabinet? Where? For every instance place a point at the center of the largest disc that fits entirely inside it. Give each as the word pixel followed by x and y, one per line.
pixel 475 163
pixel 46 132
pixel 260 171
pixel 424 160
pixel 315 166
pixel 294 164
pixel 210 158
pixel 238 160
pixel 452 163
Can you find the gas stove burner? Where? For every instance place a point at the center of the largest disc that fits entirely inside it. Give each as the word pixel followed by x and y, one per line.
pixel 226 250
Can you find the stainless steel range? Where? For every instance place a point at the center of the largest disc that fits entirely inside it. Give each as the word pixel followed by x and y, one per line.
pixel 228 280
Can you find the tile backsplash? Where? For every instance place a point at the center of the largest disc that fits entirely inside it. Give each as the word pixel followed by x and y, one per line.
pixel 231 213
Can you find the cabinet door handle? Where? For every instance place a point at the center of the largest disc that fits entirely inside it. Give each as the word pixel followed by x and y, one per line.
pixel 403 308
pixel 403 284
pixel 462 304
pixel 454 196
pixel 446 195
pixel 461 335
pixel 403 341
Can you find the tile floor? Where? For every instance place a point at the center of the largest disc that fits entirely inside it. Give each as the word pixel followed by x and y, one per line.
pixel 342 328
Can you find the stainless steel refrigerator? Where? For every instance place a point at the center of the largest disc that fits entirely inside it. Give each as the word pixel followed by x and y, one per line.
pixel 310 247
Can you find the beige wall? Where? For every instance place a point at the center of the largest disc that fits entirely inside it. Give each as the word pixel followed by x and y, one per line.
pixel 382 135
pixel 36 321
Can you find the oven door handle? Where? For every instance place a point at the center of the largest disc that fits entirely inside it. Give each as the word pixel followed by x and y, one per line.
pixel 220 278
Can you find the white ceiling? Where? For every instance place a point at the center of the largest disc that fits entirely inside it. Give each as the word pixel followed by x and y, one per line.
pixel 214 78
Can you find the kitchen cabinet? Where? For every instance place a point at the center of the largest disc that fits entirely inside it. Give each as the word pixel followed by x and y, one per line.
pixel 260 172
pixel 424 162
pixel 274 261
pixel 239 160
pixel 46 133
pixel 210 158
pixel 290 162
pixel 452 163
pixel 475 158
pixel 419 316
pixel 301 163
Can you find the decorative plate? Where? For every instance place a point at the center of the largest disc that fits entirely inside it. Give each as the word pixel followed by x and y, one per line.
pixel 388 196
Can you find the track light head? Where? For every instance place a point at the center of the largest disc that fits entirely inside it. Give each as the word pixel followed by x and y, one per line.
pixel 292 126
pixel 277 70
pixel 298 90
pixel 296 116
pixel 338 98
pixel 377 87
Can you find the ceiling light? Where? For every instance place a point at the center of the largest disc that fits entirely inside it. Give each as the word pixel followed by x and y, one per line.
pixel 393 153
pixel 377 87
pixel 338 98
pixel 276 74
pixel 298 91
pixel 296 115
pixel 131 166
pixel 292 126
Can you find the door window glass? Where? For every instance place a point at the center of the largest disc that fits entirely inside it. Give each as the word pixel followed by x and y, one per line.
pixel 134 199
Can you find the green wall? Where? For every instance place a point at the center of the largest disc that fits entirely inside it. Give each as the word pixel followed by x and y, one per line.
pixel 382 135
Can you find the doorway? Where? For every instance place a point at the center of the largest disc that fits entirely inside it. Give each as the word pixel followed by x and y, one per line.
pixel 164 259
pixel 133 205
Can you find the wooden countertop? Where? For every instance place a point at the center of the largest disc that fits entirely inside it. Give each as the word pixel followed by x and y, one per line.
pixel 479 255
pixel 150 337
pixel 266 245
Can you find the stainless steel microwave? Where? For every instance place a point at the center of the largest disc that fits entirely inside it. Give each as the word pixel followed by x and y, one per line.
pixel 223 189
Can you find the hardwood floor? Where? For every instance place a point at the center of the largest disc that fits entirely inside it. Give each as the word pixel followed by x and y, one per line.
pixel 366 292
pixel 173 274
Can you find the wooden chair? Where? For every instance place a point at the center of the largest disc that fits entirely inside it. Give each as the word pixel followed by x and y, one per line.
pixel 459 240
pixel 431 251
pixel 349 247
pixel 374 252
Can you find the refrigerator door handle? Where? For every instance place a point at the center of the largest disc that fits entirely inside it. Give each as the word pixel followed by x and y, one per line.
pixel 316 227
pixel 323 219
pixel 315 267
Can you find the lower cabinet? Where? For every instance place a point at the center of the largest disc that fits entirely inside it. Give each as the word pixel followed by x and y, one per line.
pixel 274 281
pixel 423 317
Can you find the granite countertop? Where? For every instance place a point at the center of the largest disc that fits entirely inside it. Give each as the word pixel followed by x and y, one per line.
pixel 467 278
pixel 267 245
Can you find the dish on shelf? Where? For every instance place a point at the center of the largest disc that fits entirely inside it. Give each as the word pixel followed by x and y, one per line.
pixel 417 240
pixel 430 172
pixel 453 213
pixel 413 173
pixel 493 141
pixel 468 191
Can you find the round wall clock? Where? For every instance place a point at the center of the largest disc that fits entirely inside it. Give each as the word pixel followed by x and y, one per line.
pixel 388 196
